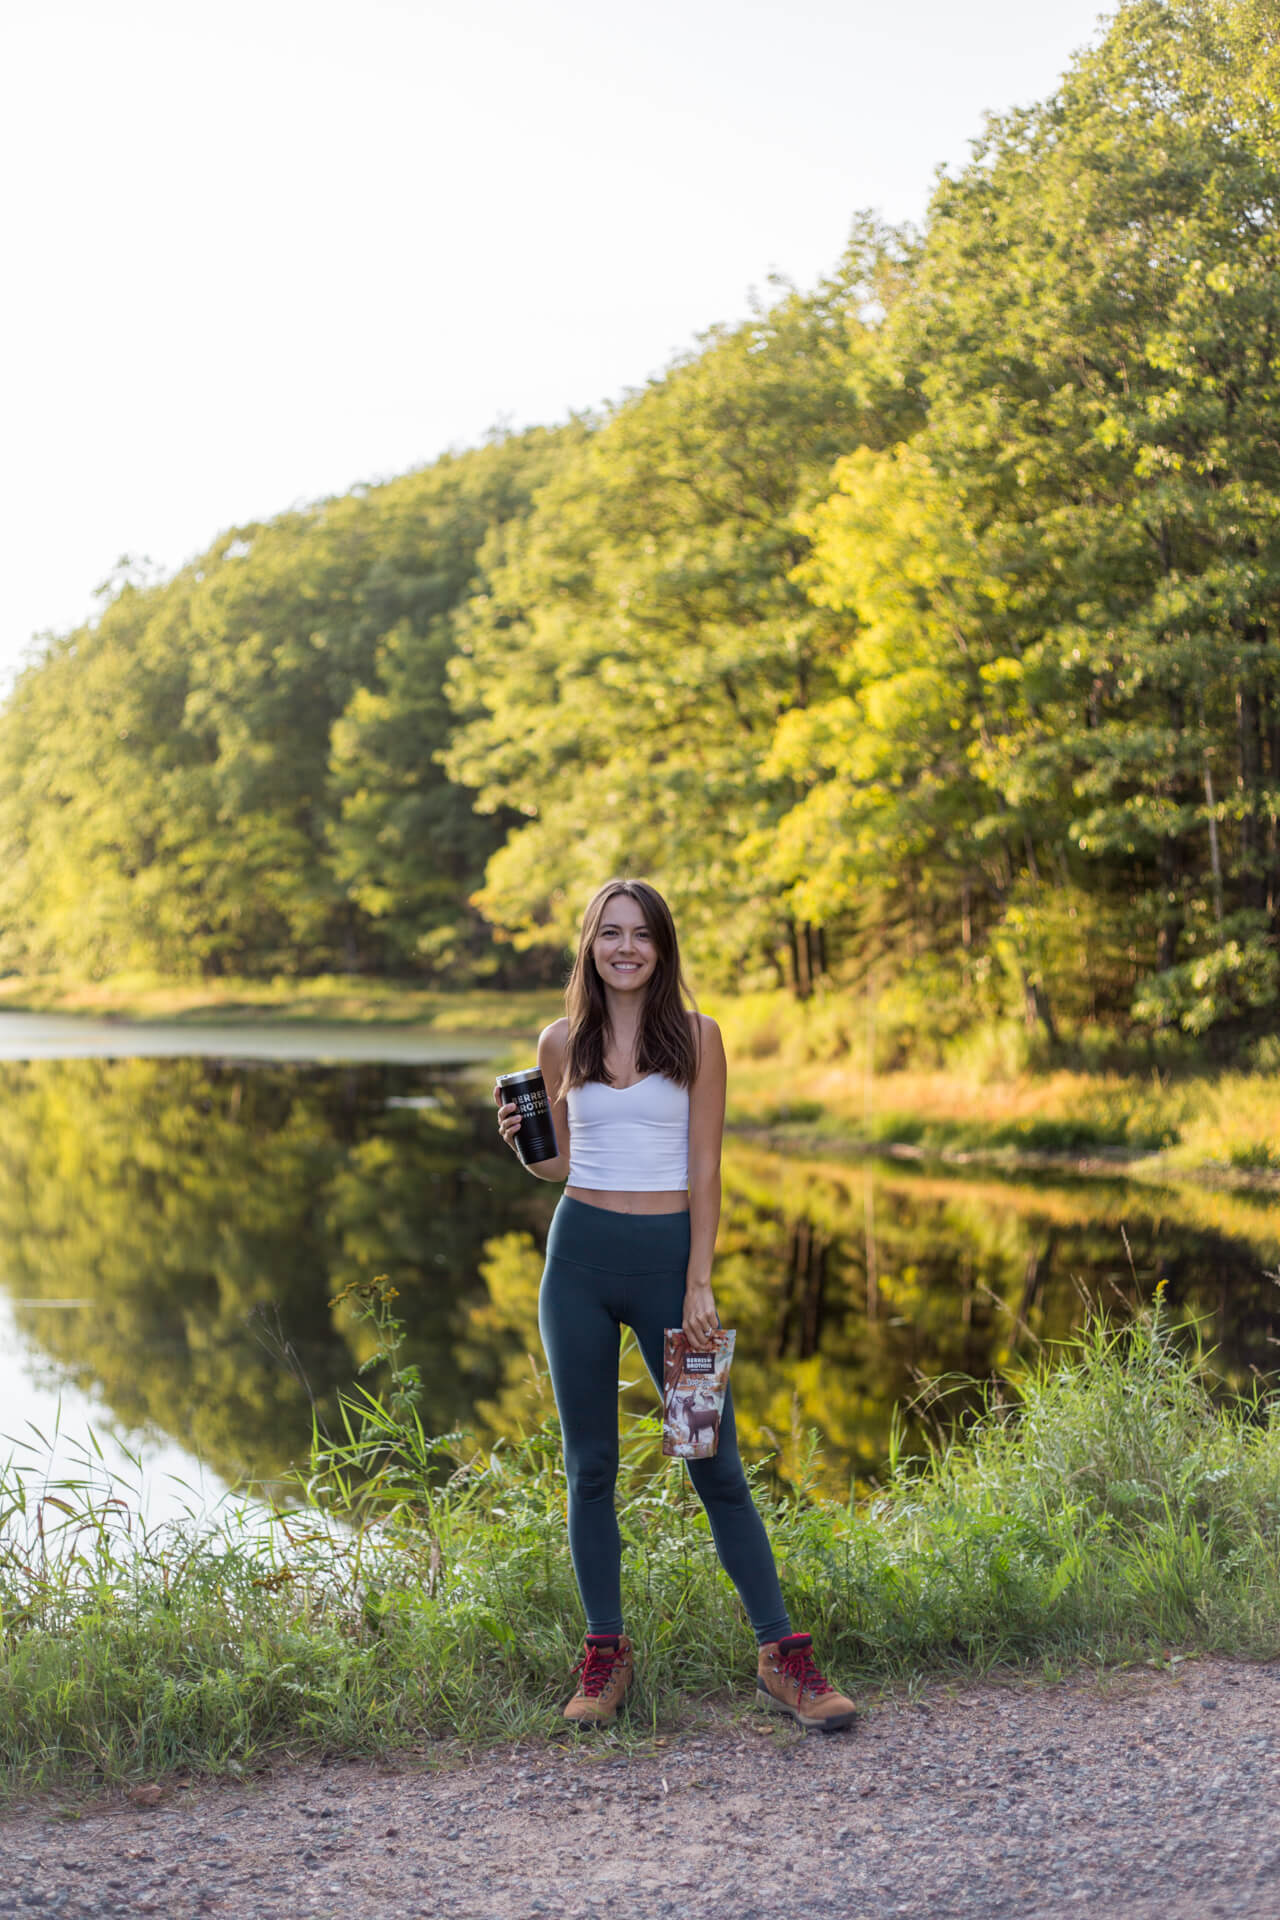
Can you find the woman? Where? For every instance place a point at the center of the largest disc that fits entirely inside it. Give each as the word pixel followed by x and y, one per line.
pixel 636 1083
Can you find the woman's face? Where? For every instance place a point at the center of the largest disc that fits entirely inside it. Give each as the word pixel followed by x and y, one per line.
pixel 623 949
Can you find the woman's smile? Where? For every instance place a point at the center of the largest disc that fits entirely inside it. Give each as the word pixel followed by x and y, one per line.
pixel 623 949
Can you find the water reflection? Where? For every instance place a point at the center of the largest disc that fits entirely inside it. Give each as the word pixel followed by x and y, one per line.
pixel 209 1211
pixel 881 1279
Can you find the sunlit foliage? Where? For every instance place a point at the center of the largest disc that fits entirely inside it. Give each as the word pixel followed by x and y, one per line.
pixel 923 629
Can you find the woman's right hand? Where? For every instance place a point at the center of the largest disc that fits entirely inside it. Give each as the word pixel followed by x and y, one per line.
pixel 508 1117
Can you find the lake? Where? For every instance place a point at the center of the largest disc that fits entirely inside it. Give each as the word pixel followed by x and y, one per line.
pixel 175 1229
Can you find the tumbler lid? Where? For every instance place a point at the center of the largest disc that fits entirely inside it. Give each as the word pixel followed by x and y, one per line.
pixel 519 1079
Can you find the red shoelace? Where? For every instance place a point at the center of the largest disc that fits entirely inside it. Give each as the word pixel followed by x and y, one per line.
pixel 799 1665
pixel 596 1667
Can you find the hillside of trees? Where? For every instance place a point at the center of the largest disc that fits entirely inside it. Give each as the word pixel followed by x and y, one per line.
pixel 924 629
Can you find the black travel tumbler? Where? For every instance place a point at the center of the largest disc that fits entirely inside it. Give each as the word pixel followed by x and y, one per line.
pixel 536 1138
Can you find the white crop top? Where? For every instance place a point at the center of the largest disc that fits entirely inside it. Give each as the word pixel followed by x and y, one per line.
pixel 629 1139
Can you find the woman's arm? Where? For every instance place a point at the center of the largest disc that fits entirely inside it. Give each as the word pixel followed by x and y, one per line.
pixel 706 1132
pixel 551 1042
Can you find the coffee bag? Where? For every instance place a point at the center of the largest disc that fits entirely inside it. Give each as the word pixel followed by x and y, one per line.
pixel 695 1380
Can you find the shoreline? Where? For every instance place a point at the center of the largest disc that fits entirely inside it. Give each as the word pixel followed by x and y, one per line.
pixel 1208 1128
pixel 330 999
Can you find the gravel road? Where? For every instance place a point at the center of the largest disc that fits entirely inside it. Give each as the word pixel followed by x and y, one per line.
pixel 1150 1796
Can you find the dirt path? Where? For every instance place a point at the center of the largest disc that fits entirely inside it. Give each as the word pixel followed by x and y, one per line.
pixel 1151 1797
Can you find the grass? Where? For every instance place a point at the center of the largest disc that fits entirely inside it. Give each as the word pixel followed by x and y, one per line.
pixel 1206 1125
pixel 802 1075
pixel 1106 1507
pixel 1063 1112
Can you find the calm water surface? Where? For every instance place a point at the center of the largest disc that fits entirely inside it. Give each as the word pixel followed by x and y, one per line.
pixel 174 1231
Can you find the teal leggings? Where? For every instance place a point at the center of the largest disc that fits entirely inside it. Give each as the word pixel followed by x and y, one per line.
pixel 605 1271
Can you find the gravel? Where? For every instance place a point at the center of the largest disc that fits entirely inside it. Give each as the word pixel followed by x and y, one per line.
pixel 1152 1795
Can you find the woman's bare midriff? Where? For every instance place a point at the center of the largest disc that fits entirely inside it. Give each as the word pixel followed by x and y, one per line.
pixel 630 1202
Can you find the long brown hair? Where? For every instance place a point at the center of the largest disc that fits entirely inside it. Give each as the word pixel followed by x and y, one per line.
pixel 665 1043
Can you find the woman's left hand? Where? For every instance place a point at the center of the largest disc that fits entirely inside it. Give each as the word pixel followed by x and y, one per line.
pixel 700 1316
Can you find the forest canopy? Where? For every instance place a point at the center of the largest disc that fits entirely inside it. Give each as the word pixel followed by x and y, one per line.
pixel 923 629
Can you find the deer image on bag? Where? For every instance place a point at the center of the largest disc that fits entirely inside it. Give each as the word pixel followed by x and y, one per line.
pixel 695 1380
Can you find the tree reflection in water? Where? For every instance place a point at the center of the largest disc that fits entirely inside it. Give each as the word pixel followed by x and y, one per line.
pixel 211 1210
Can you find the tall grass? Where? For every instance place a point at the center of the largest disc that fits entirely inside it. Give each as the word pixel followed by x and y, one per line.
pixel 1106 1507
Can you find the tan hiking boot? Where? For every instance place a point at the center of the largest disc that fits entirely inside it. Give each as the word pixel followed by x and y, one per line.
pixel 607 1671
pixel 788 1681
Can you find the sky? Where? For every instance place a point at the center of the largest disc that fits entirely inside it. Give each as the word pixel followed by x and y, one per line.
pixel 261 251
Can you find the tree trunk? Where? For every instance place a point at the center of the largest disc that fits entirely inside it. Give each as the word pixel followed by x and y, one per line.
pixel 1170 928
pixel 1215 852
pixel 818 952
pixel 801 958
pixel 1272 728
pixel 1249 768
pixel 1036 1008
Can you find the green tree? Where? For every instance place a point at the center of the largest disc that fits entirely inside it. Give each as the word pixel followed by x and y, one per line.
pixel 407 845
pixel 236 769
pixel 644 632
pixel 1066 682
